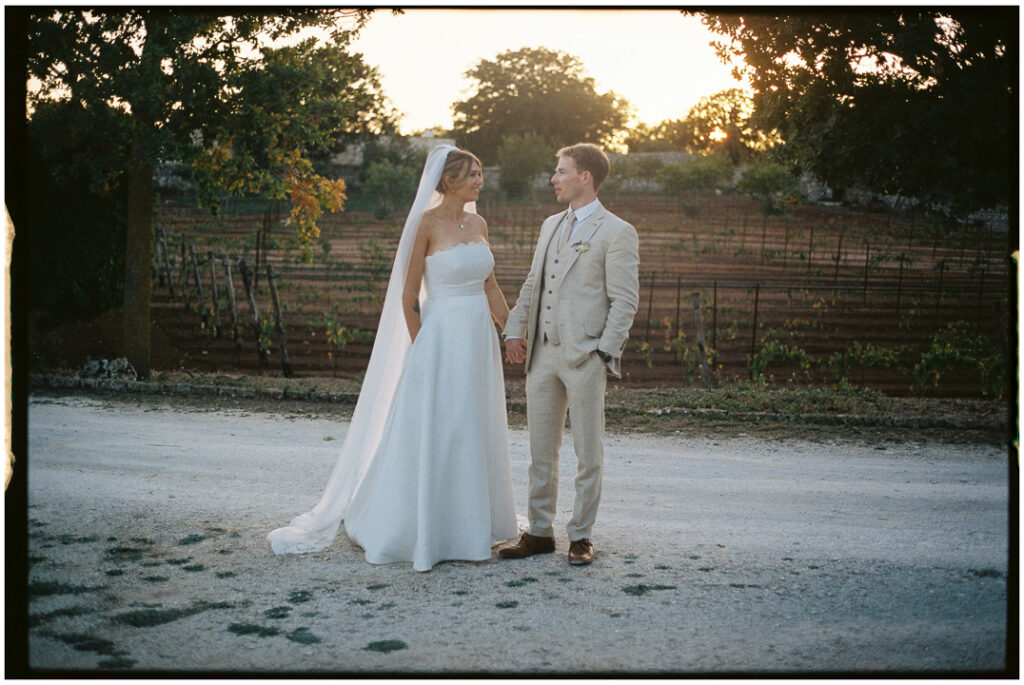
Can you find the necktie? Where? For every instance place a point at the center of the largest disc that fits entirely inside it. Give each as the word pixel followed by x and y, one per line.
pixel 570 219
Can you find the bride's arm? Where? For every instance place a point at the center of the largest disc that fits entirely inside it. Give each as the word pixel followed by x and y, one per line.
pixel 413 280
pixel 495 298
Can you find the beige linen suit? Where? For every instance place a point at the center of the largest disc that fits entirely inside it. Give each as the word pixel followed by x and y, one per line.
pixel 586 296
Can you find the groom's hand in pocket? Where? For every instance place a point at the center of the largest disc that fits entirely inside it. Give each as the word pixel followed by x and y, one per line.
pixel 515 350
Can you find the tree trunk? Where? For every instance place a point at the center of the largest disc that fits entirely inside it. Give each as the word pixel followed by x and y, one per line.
pixel 138 260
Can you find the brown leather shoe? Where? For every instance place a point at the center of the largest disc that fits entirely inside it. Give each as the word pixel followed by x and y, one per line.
pixel 527 546
pixel 581 552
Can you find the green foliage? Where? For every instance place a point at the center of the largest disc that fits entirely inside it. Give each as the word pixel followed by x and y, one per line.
pixel 143 85
pixel 390 185
pixel 703 173
pixel 960 345
pixel 338 336
pixel 75 229
pixel 535 90
pixel 774 350
pixel 770 184
pixel 913 102
pixel 522 158
pixel 858 354
pixel 267 329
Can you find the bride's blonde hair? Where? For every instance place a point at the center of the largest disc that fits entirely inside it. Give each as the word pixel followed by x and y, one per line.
pixel 456 167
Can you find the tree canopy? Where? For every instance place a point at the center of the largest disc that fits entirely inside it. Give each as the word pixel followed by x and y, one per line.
pixel 535 90
pixel 718 122
pixel 917 102
pixel 246 98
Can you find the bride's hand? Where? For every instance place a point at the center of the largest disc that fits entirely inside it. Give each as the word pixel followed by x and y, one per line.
pixel 515 350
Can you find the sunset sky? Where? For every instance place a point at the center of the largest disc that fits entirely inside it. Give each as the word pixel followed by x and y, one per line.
pixel 658 59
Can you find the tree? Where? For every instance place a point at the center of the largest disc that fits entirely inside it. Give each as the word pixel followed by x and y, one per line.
pixel 770 184
pixel 907 101
pixel 522 158
pixel 718 122
pixel 218 91
pixel 535 90
pixel 707 172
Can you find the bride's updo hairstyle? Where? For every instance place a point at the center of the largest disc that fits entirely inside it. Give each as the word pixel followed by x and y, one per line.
pixel 456 167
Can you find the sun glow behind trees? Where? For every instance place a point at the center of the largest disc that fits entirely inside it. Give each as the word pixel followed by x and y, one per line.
pixel 658 60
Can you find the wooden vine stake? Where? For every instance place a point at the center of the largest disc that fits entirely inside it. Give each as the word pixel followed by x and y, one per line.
pixel 702 348
pixel 199 283
pixel 167 264
pixel 214 294
pixel 243 269
pixel 286 365
pixel 226 261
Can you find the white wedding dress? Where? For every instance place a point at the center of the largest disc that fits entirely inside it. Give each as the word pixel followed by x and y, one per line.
pixel 439 486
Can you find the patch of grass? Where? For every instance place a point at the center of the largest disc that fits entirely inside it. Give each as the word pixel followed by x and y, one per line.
pixel 72 540
pixel 194 568
pixel 742 586
pixel 147 618
pixel 303 636
pixel 192 539
pixel 48 588
pixel 460 593
pixel 278 612
pixel 377 586
pixel 982 573
pixel 385 646
pixel 662 567
pixel 149 564
pixel 225 574
pixel 38 619
pixel 155 579
pixel 115 572
pixel 34 559
pixel 117 663
pixel 362 602
pixel 510 604
pixel 178 562
pixel 638 590
pixel 253 629
pixel 521 582
pixel 88 643
pixel 565 580
pixel 121 553
pixel 300 596
pixel 143 541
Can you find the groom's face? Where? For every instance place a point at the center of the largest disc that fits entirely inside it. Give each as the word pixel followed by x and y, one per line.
pixel 569 183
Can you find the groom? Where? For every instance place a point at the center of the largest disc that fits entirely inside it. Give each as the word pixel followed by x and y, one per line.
pixel 570 326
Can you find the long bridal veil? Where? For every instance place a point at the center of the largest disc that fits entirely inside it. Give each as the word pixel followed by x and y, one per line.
pixel 317 528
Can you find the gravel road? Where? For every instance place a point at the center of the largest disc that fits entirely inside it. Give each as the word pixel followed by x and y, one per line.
pixel 730 556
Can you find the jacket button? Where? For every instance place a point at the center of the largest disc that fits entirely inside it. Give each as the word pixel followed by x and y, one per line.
pixel 556 261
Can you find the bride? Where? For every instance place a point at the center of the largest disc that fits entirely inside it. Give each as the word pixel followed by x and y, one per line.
pixel 424 474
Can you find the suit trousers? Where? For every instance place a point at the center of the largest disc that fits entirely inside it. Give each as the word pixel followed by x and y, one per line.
pixel 552 388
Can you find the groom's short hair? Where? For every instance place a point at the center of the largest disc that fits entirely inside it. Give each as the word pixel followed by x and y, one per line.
pixel 588 157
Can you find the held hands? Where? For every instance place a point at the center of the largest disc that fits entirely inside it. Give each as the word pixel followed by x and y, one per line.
pixel 515 350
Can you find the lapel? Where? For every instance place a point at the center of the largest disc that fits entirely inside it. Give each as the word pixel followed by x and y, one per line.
pixel 583 234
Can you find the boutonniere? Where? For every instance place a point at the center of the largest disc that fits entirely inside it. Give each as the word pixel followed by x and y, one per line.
pixel 580 246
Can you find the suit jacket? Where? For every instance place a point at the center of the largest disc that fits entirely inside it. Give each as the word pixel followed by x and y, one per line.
pixel 599 293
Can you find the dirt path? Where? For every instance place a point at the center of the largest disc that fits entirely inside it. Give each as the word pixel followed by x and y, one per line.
pixel 737 555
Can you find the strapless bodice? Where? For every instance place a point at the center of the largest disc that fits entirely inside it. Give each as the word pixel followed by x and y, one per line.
pixel 458 270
